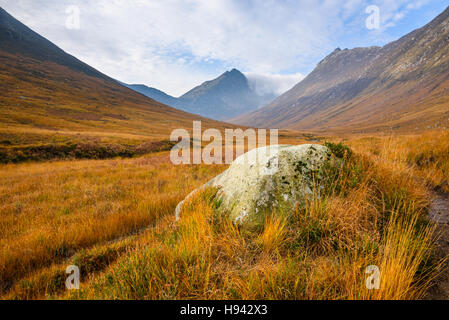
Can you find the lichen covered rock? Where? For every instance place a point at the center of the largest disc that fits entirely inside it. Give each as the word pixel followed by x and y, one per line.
pixel 268 178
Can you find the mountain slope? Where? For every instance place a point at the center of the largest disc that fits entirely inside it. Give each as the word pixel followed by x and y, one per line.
pixel 222 98
pixel 45 91
pixel 402 85
pixel 153 93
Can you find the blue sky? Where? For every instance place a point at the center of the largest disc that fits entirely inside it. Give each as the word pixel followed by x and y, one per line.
pixel 174 45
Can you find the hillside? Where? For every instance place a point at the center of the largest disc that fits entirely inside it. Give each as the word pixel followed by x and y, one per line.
pixel 223 98
pixel 49 96
pixel 153 93
pixel 401 86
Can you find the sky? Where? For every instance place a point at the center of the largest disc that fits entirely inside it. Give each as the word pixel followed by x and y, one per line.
pixel 175 45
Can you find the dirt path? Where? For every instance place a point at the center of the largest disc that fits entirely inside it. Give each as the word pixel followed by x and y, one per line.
pixel 439 212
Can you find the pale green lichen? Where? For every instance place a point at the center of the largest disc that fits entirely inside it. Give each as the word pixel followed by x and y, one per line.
pixel 268 178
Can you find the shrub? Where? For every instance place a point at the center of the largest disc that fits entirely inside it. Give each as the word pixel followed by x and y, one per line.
pixel 340 150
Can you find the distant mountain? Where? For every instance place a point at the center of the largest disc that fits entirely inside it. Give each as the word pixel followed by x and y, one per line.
pixel 153 93
pixel 42 88
pixel 403 85
pixel 223 98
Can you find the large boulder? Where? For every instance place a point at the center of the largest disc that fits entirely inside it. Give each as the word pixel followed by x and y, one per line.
pixel 268 178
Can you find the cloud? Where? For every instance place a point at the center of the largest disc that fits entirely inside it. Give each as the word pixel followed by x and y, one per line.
pixel 392 11
pixel 175 45
pixel 275 84
pixel 168 44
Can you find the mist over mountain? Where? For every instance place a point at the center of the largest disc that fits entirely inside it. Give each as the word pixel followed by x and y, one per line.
pixel 272 84
pixel 401 85
pixel 223 98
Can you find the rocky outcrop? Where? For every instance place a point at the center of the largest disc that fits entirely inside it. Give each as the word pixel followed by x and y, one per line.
pixel 275 177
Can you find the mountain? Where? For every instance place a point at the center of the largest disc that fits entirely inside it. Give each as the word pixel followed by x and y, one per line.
pixel 153 93
pixel 401 86
pixel 45 92
pixel 223 98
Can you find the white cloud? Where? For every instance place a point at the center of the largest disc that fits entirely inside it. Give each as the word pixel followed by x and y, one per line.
pixel 392 11
pixel 275 84
pixel 140 41
pixel 174 45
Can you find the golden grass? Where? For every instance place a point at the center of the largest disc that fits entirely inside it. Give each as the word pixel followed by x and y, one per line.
pixel 320 251
pixel 115 219
pixel 49 211
pixel 427 155
pixel 274 233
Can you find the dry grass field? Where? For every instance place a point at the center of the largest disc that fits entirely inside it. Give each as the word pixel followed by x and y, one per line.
pixel 50 111
pixel 86 177
pixel 114 219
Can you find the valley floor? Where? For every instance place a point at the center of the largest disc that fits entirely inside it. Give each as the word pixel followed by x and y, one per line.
pixel 114 219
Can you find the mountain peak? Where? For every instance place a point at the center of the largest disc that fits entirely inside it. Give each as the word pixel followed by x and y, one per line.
pixel 230 78
pixel 336 51
pixel 234 73
pixel 350 55
pixel 329 56
pixel 225 97
pixel 369 87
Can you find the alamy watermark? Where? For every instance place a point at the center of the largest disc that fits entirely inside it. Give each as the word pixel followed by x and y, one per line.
pixel 373 20
pixel 190 150
pixel 73 280
pixel 73 19
pixel 373 280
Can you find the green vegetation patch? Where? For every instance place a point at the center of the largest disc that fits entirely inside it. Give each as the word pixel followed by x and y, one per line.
pixel 71 150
